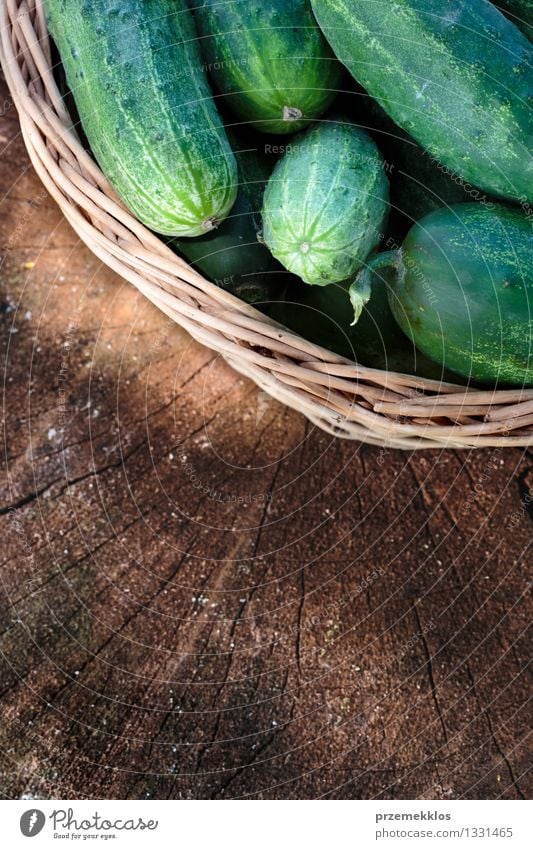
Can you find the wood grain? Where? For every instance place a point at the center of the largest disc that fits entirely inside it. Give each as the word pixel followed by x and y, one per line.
pixel 205 597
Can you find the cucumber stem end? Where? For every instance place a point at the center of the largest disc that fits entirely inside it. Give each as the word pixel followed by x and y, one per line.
pixel 210 224
pixel 292 113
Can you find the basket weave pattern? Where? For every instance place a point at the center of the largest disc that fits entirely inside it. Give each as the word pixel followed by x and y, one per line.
pixel 343 398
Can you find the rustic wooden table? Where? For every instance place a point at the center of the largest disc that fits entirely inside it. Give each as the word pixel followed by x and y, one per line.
pixel 203 596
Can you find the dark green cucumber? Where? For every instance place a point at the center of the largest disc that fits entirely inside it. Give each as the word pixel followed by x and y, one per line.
pixel 455 75
pixel 232 256
pixel 135 72
pixel 269 59
pixel 326 203
pixel 520 12
pixel 463 291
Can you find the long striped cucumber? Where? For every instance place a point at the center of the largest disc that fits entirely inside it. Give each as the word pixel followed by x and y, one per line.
pixel 455 74
pixel 135 72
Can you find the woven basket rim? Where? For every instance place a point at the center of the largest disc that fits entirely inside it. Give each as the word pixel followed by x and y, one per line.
pixel 345 399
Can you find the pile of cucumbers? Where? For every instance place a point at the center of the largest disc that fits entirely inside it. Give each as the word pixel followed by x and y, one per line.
pixel 360 169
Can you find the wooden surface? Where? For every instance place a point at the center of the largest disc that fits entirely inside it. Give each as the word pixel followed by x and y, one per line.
pixel 204 596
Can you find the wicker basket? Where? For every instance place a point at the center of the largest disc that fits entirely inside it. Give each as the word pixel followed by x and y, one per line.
pixel 345 399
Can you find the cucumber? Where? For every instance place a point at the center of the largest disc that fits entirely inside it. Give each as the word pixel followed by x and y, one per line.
pixel 326 203
pixel 135 72
pixel 463 291
pixel 520 12
pixel 232 256
pixel 269 60
pixel 455 75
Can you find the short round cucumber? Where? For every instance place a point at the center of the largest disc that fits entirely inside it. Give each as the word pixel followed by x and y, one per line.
pixel 269 59
pixel 326 203
pixel 455 75
pixel 463 291
pixel 136 75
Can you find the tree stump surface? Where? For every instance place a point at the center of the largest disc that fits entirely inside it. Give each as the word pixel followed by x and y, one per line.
pixel 204 596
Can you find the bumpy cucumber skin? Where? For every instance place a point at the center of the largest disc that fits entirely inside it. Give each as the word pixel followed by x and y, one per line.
pixel 455 75
pixel 520 12
pixel 269 59
pixel 232 256
pixel 464 292
pixel 326 203
pixel 135 71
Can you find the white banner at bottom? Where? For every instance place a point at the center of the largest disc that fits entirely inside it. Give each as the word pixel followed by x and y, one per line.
pixel 264 824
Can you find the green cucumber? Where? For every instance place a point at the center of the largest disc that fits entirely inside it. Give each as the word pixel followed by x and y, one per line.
pixel 326 203
pixel 135 72
pixel 232 255
pixel 463 291
pixel 520 12
pixel 455 75
pixel 269 60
